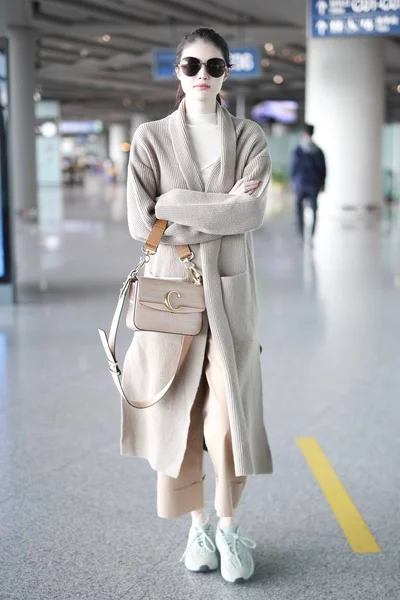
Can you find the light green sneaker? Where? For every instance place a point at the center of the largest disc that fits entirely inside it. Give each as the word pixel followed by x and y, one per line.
pixel 237 563
pixel 201 553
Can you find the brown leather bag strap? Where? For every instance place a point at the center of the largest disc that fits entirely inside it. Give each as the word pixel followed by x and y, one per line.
pixel 154 239
pixel 109 344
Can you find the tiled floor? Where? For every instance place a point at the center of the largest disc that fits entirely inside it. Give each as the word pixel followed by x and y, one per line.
pixel 78 521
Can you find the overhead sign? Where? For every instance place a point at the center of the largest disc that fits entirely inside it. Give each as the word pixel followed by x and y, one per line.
pixel 338 18
pixel 246 63
pixel 80 127
pixel 163 63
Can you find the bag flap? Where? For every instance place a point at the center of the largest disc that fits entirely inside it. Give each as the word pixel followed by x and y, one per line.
pixel 156 293
pixel 175 302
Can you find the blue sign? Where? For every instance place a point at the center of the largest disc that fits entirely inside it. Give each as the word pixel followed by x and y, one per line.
pixel 80 127
pixel 339 18
pixel 163 63
pixel 246 63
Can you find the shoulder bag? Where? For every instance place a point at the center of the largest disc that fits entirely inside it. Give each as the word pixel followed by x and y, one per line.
pixel 155 304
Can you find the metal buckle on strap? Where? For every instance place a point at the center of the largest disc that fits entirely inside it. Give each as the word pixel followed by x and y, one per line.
pixel 114 368
pixel 194 274
pixel 132 275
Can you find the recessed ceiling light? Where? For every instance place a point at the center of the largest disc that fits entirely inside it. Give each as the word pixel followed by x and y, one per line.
pixel 126 102
pixel 398 89
pixel 106 38
pixel 268 47
pixel 278 79
pixel 48 129
pixel 84 52
pixel 265 62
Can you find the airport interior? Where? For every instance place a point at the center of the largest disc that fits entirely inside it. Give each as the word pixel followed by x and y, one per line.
pixel 85 88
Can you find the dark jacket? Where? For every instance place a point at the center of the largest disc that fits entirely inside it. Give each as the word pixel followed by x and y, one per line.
pixel 308 168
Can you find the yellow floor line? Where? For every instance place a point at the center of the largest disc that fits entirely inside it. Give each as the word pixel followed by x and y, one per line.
pixel 353 525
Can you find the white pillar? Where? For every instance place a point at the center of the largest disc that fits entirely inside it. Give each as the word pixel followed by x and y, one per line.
pixel 22 118
pixel 117 135
pixel 136 120
pixel 345 103
pixel 241 104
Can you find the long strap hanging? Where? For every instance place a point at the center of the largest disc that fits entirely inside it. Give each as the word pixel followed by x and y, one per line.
pixel 109 343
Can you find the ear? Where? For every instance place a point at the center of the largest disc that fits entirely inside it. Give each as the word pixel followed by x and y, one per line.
pixel 226 74
pixel 177 73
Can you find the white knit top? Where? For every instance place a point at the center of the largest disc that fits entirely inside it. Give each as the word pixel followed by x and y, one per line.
pixel 206 141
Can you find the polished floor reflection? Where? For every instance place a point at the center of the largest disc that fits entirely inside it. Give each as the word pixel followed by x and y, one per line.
pixel 78 521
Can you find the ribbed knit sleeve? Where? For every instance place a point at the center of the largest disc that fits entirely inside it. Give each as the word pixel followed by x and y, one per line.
pixel 141 194
pixel 219 213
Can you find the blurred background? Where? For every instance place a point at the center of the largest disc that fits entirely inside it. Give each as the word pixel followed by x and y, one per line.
pixel 77 77
pixel 83 75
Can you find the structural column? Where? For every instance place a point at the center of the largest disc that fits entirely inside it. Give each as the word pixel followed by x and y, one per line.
pixel 345 103
pixel 136 120
pixel 22 118
pixel 117 135
pixel 241 103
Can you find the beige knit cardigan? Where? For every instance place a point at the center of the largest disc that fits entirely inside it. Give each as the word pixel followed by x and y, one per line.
pixel 165 182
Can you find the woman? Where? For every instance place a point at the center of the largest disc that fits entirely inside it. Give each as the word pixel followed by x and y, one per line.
pixel 206 173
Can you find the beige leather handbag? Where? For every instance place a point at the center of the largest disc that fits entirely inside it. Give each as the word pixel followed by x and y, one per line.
pixel 155 304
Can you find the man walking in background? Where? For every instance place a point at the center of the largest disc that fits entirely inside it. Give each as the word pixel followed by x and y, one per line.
pixel 308 173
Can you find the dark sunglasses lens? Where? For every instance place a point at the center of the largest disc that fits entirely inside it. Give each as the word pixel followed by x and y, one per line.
pixel 216 67
pixel 191 67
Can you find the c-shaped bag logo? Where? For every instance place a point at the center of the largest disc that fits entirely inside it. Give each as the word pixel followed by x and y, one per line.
pixel 167 301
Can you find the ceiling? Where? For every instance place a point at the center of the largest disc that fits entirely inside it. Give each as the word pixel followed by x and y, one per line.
pixel 95 56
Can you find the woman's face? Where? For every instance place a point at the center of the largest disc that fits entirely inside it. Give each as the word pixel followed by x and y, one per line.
pixel 201 86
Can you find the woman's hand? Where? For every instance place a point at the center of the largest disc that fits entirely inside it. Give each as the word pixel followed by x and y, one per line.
pixel 245 187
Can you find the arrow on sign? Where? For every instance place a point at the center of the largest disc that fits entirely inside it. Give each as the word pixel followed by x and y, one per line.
pixel 321 26
pixel 322 7
pixel 352 25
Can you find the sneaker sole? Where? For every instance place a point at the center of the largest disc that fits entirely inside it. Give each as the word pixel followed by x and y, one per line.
pixel 239 579
pixel 202 569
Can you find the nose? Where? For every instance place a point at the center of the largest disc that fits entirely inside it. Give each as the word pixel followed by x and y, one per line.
pixel 202 74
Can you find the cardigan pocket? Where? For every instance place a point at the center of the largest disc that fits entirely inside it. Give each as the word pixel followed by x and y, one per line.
pixel 232 258
pixel 240 306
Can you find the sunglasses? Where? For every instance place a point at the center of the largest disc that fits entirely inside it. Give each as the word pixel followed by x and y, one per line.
pixel 215 67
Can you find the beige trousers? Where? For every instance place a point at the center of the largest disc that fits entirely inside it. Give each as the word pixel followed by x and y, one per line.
pixel 208 418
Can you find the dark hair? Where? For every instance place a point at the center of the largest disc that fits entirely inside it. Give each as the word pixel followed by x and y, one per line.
pixel 207 35
pixel 308 129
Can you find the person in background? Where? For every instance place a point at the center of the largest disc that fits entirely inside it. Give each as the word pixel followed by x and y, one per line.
pixel 308 174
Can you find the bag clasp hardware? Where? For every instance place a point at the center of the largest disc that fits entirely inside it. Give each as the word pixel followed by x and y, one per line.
pixel 194 274
pixel 167 301
pixel 132 275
